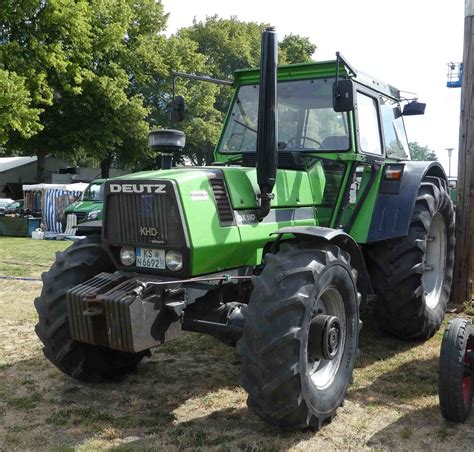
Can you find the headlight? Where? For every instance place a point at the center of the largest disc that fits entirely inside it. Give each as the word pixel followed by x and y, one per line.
pixel 127 255
pixel 92 215
pixel 174 260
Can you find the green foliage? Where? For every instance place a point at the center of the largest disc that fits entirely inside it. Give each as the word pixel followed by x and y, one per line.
pixel 16 113
pixel 85 79
pixel 419 152
pixel 296 49
pixel 84 64
pixel 227 44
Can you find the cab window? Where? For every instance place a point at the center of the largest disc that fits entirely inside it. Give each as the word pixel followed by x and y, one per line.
pixel 369 132
pixel 396 143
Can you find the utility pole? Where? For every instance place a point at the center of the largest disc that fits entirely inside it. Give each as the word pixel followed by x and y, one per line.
pixel 465 202
pixel 450 153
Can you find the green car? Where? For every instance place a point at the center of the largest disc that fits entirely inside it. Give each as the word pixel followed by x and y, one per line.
pixel 88 210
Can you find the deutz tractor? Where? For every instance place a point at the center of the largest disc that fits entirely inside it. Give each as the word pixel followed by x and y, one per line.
pixel 312 204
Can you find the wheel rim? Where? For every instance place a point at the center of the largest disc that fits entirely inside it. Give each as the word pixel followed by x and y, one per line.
pixel 467 379
pixel 435 261
pixel 320 370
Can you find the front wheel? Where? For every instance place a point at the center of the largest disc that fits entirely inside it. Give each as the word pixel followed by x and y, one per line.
pixel 80 262
pixel 301 335
pixel 456 366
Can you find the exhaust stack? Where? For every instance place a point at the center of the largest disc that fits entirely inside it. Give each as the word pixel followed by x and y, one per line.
pixel 267 157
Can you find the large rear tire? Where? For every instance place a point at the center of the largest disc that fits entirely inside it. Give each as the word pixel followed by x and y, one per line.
pixel 456 366
pixel 81 261
pixel 412 275
pixel 287 324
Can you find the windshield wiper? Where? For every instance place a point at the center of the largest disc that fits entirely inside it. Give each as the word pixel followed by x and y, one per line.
pixel 245 125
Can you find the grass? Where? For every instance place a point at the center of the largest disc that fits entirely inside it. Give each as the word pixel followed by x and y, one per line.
pixel 187 396
pixel 26 257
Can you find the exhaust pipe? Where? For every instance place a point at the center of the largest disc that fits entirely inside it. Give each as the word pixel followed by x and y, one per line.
pixel 267 133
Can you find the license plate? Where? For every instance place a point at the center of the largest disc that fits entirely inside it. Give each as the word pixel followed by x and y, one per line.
pixel 150 258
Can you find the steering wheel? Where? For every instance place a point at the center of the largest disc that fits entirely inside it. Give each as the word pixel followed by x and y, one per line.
pixel 292 142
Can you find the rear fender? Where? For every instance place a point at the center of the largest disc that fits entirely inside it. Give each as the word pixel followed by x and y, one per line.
pixel 338 238
pixel 396 199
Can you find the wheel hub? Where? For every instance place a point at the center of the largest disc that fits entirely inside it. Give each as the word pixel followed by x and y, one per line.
pixel 435 261
pixel 324 337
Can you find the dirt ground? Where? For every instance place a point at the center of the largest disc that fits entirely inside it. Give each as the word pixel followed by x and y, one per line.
pixel 187 394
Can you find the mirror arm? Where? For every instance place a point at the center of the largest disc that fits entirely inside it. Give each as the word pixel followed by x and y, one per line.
pixel 350 70
pixel 201 78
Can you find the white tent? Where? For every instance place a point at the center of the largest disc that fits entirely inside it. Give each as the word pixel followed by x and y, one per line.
pixel 78 186
pixel 52 196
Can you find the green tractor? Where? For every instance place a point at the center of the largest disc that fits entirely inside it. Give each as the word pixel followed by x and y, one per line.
pixel 312 204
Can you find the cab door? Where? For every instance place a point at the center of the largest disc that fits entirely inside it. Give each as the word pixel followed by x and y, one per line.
pixel 365 174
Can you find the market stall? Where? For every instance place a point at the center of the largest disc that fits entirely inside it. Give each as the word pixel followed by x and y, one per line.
pixel 51 200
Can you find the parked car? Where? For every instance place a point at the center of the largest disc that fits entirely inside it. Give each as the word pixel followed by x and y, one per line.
pixel 15 206
pixel 4 202
pixel 88 210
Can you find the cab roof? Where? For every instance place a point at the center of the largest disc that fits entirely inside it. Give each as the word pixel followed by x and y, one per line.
pixel 316 69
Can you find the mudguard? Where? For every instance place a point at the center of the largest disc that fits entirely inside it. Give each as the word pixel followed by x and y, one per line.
pixel 396 200
pixel 343 241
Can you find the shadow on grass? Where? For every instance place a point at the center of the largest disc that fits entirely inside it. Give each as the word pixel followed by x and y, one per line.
pixel 376 345
pixel 402 385
pixel 68 412
pixel 427 429
pixel 230 428
pixel 187 395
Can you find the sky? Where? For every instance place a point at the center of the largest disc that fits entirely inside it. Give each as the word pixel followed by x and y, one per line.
pixel 406 43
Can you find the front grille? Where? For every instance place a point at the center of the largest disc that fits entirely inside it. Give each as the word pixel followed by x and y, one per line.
pixel 81 216
pixel 143 219
pixel 224 207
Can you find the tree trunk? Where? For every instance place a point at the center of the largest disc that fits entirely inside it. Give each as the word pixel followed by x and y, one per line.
pixel 209 156
pixel 105 167
pixel 40 167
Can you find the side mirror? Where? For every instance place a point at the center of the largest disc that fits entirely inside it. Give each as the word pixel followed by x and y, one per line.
pixel 414 108
pixel 343 95
pixel 178 109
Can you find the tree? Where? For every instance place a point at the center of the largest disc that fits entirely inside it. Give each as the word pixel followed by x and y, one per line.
pixel 85 64
pixel 227 44
pixel 419 152
pixel 296 49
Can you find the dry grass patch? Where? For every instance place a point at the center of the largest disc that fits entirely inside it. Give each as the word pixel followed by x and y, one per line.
pixel 186 396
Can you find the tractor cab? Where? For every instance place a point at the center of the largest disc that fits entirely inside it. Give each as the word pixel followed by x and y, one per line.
pixel 343 150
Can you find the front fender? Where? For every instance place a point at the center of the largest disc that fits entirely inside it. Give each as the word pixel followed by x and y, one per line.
pixel 343 241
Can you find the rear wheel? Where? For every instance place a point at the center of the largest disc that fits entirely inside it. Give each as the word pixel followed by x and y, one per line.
pixel 300 337
pixel 81 261
pixel 412 275
pixel 456 366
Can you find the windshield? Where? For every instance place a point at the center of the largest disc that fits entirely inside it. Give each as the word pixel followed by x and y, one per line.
pixel 94 192
pixel 306 119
